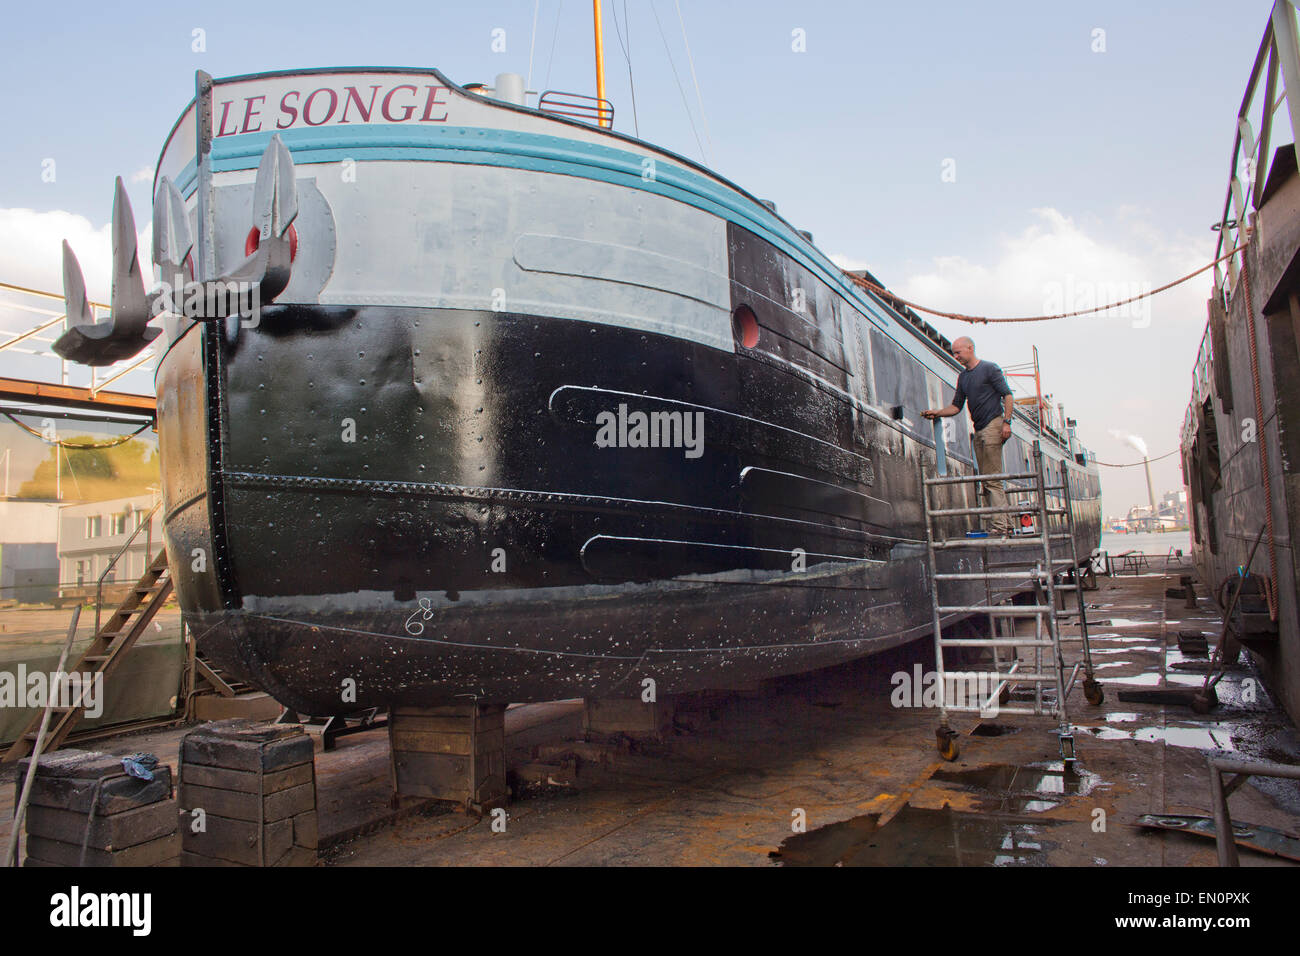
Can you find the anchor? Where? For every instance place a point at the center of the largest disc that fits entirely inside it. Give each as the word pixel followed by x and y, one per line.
pixel 266 269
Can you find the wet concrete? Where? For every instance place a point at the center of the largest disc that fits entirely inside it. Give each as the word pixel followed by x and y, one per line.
pixel 824 770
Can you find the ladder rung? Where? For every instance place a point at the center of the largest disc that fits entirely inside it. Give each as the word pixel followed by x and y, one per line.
pixel 992 642
pixel 988 575
pixel 971 479
pixel 1047 711
pixel 1019 678
pixel 946 512
pixel 1010 610
pixel 984 542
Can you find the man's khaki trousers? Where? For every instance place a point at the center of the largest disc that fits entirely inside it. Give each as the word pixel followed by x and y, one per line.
pixel 988 455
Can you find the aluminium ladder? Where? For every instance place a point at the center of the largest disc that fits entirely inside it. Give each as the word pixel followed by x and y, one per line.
pixel 1024 561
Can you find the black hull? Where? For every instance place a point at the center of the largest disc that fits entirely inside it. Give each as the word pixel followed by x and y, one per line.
pixel 548 567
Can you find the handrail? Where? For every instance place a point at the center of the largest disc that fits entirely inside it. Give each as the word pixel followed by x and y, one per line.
pixel 595 108
pixel 1278 57
pixel 99 585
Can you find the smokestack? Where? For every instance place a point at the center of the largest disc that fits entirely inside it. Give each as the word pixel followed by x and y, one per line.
pixel 1151 495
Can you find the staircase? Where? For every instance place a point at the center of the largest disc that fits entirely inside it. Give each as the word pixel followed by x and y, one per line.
pixel 111 643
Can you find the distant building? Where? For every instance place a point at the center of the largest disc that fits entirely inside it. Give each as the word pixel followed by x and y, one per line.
pixel 29 564
pixel 91 534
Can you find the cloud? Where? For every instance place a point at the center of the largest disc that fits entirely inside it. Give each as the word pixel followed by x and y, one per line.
pixel 142 175
pixel 1123 372
pixel 31 255
pixel 31 250
pixel 848 263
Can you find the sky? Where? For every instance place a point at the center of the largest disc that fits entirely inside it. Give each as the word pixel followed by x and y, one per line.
pixel 1001 159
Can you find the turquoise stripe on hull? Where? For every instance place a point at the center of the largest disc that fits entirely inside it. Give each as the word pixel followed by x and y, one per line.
pixel 553 154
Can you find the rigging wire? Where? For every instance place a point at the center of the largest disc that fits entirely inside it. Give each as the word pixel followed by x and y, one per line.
pixel 550 60
pixel 532 42
pixel 627 55
pixel 704 120
pixel 678 79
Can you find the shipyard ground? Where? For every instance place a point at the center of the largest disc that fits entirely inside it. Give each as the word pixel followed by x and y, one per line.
pixel 742 771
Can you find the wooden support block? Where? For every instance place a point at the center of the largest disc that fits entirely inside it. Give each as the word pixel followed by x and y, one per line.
pixel 245 781
pixel 247 745
pixel 194 859
pixel 236 840
pixel 67 780
pixel 142 854
pixel 297 856
pixel 462 760
pixel 255 783
pixel 116 794
pixel 463 743
pixel 629 716
pixel 427 720
pixel 305 830
pixel 244 806
pixel 110 833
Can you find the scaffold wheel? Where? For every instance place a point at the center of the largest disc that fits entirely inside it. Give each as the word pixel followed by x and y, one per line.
pixel 1092 692
pixel 945 739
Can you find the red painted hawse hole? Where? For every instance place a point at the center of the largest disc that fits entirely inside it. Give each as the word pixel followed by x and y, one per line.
pixel 745 326
pixel 254 240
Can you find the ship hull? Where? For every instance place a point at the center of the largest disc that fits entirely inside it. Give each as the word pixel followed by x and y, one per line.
pixel 543 412
pixel 532 564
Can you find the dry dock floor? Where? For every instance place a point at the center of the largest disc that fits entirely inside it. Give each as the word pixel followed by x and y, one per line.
pixel 742 772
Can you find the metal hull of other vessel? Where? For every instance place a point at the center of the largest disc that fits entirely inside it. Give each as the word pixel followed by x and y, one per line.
pixel 544 412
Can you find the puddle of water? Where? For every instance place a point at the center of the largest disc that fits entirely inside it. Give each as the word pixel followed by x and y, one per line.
pixel 994 730
pixel 1035 788
pixel 1153 680
pixel 921 838
pixel 1195 738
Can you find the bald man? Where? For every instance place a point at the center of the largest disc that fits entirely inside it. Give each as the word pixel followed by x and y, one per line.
pixel 983 387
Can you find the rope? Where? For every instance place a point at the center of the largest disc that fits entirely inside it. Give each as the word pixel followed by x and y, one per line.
pixel 1269 590
pixel 78 446
pixel 962 317
pixel 1134 464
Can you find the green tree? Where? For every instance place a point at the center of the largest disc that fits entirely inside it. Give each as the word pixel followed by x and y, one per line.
pixel 95 474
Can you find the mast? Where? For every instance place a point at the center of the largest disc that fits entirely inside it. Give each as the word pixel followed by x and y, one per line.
pixel 600 62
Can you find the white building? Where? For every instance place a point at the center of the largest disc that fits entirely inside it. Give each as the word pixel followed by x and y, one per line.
pixel 28 561
pixel 91 534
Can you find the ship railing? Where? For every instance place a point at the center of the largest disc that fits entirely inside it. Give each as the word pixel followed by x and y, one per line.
pixel 589 109
pixel 18 303
pixel 1278 58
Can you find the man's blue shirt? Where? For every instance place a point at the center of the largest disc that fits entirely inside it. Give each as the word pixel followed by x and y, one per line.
pixel 984 387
